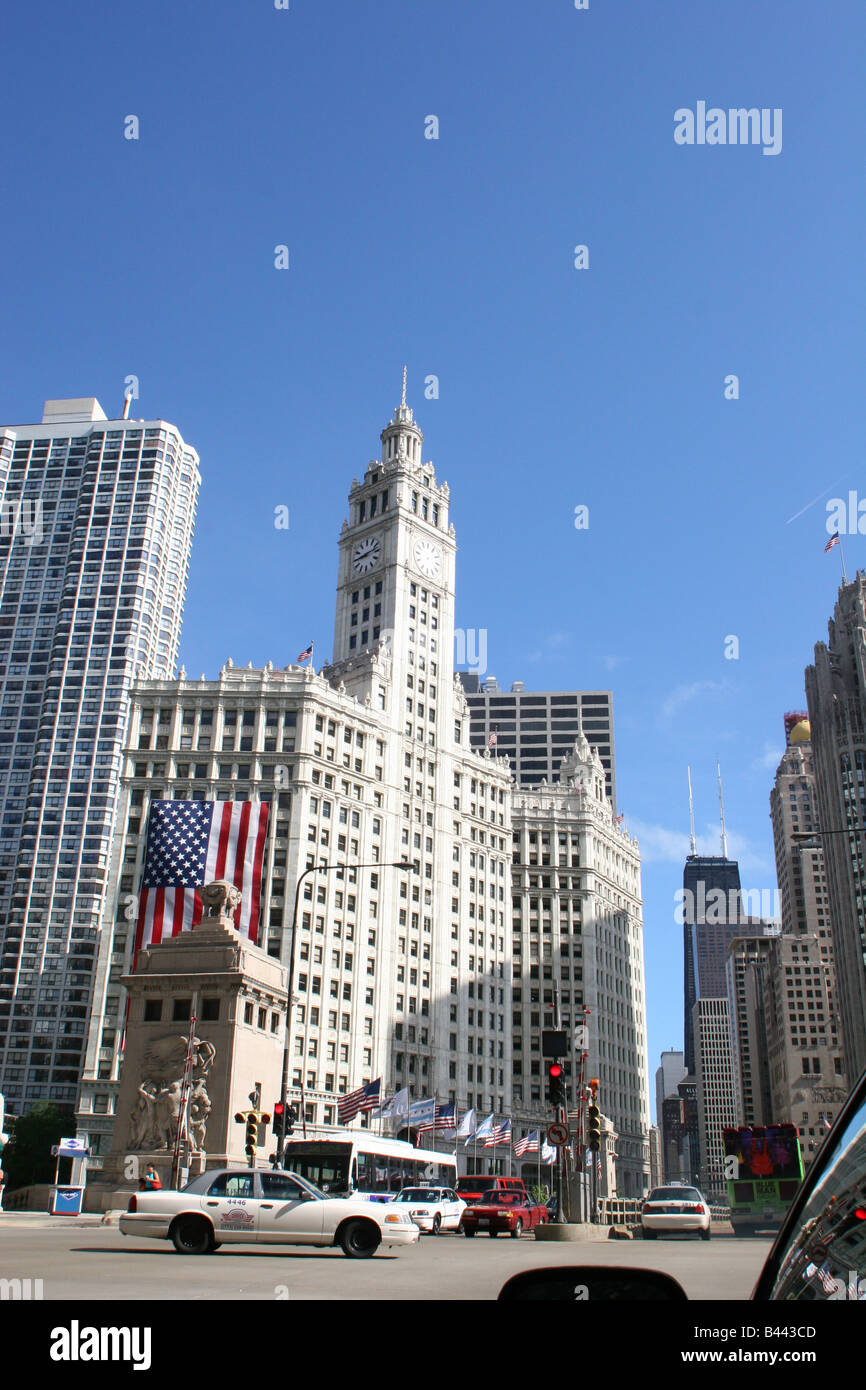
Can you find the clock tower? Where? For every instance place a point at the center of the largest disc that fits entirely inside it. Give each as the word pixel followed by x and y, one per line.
pixel 394 627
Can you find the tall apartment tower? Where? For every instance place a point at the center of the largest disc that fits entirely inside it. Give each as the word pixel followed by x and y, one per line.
pixel 669 1074
pixel 836 696
pixel 805 1061
pixel 578 942
pixel 536 729
pixel 403 975
pixel 716 1096
pixel 746 990
pixel 98 520
pixel 669 1118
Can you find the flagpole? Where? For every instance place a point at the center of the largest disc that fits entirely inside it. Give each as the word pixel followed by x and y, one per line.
pixel 842 557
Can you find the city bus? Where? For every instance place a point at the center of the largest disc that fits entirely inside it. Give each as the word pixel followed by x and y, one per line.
pixel 362 1164
pixel 764 1169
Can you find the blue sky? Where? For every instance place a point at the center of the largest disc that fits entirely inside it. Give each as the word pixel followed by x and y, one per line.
pixel 558 387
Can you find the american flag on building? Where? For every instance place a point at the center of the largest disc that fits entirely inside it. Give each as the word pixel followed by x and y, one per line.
pixel 365 1098
pixel 190 843
pixel 500 1134
pixel 834 540
pixel 527 1145
pixel 444 1118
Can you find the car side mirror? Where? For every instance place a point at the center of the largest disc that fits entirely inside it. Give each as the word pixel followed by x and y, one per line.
pixel 595 1283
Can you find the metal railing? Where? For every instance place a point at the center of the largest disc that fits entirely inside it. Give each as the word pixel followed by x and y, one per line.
pixel 625 1211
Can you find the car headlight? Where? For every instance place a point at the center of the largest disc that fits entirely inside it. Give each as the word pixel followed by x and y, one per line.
pixel 397 1220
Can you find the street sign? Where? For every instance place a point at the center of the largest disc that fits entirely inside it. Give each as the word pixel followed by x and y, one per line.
pixel 558 1134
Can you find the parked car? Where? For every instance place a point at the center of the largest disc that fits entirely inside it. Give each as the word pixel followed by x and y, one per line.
pixel 432 1208
pixel 472 1186
pixel 818 1255
pixel 242 1206
pixel 497 1211
pixel 675 1207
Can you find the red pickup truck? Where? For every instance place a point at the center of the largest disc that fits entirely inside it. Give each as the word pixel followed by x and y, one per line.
pixel 513 1212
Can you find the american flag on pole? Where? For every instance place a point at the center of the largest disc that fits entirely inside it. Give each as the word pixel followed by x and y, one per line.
pixel 365 1098
pixel 500 1134
pixel 306 653
pixel 834 540
pixel 491 742
pixel 190 843
pixel 527 1145
pixel 443 1119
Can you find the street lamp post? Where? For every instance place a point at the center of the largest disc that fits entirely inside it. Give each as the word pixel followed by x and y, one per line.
pixel 313 869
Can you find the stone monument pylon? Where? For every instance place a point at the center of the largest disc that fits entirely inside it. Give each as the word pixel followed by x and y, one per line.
pixel 237 995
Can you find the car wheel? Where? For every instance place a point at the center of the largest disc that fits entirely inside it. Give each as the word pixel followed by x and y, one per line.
pixel 192 1235
pixel 649 1235
pixel 493 1234
pixel 360 1239
pixel 706 1235
pixel 518 1229
pixel 467 1232
pixel 437 1224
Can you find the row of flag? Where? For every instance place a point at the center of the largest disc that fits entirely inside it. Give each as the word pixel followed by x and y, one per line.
pixel 428 1116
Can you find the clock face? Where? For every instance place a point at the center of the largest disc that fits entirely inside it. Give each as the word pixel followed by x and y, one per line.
pixel 428 558
pixel 366 554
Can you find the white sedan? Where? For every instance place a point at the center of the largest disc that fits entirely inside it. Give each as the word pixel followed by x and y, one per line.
pixel 432 1208
pixel 242 1206
pixel 675 1208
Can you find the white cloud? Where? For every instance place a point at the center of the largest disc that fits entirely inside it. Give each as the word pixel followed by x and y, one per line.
pixel 769 760
pixel 684 694
pixel 659 844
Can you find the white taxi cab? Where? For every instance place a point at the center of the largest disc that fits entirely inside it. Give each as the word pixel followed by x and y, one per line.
pixel 241 1206
pixel 432 1208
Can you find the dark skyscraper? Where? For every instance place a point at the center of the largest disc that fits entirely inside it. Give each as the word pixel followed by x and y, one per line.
pixel 711 920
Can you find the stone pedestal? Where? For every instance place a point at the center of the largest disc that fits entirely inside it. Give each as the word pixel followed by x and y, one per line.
pixel 237 994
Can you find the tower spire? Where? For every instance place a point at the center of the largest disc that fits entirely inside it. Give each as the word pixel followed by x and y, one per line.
pixel 693 842
pixel 403 397
pixel 722 813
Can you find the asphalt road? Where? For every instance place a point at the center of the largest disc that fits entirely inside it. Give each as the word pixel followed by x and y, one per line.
pixel 100 1263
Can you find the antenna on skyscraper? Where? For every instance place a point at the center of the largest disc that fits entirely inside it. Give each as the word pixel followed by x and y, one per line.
pixel 694 843
pixel 722 812
pixel 403 401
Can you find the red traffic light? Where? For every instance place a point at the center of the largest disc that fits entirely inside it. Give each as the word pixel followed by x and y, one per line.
pixel 554 1071
pixel 278 1109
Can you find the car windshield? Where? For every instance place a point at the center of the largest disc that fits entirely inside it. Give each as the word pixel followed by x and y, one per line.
pixel 500 1198
pixel 418 1194
pixel 674 1194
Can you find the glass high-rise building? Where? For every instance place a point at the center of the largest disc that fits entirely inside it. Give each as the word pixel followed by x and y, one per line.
pixel 96 525
pixel 706 943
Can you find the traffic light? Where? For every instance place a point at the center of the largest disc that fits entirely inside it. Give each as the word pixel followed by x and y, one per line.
pixel 292 1117
pixel 593 1116
pixel 251 1136
pixel 555 1084
pixel 279 1120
